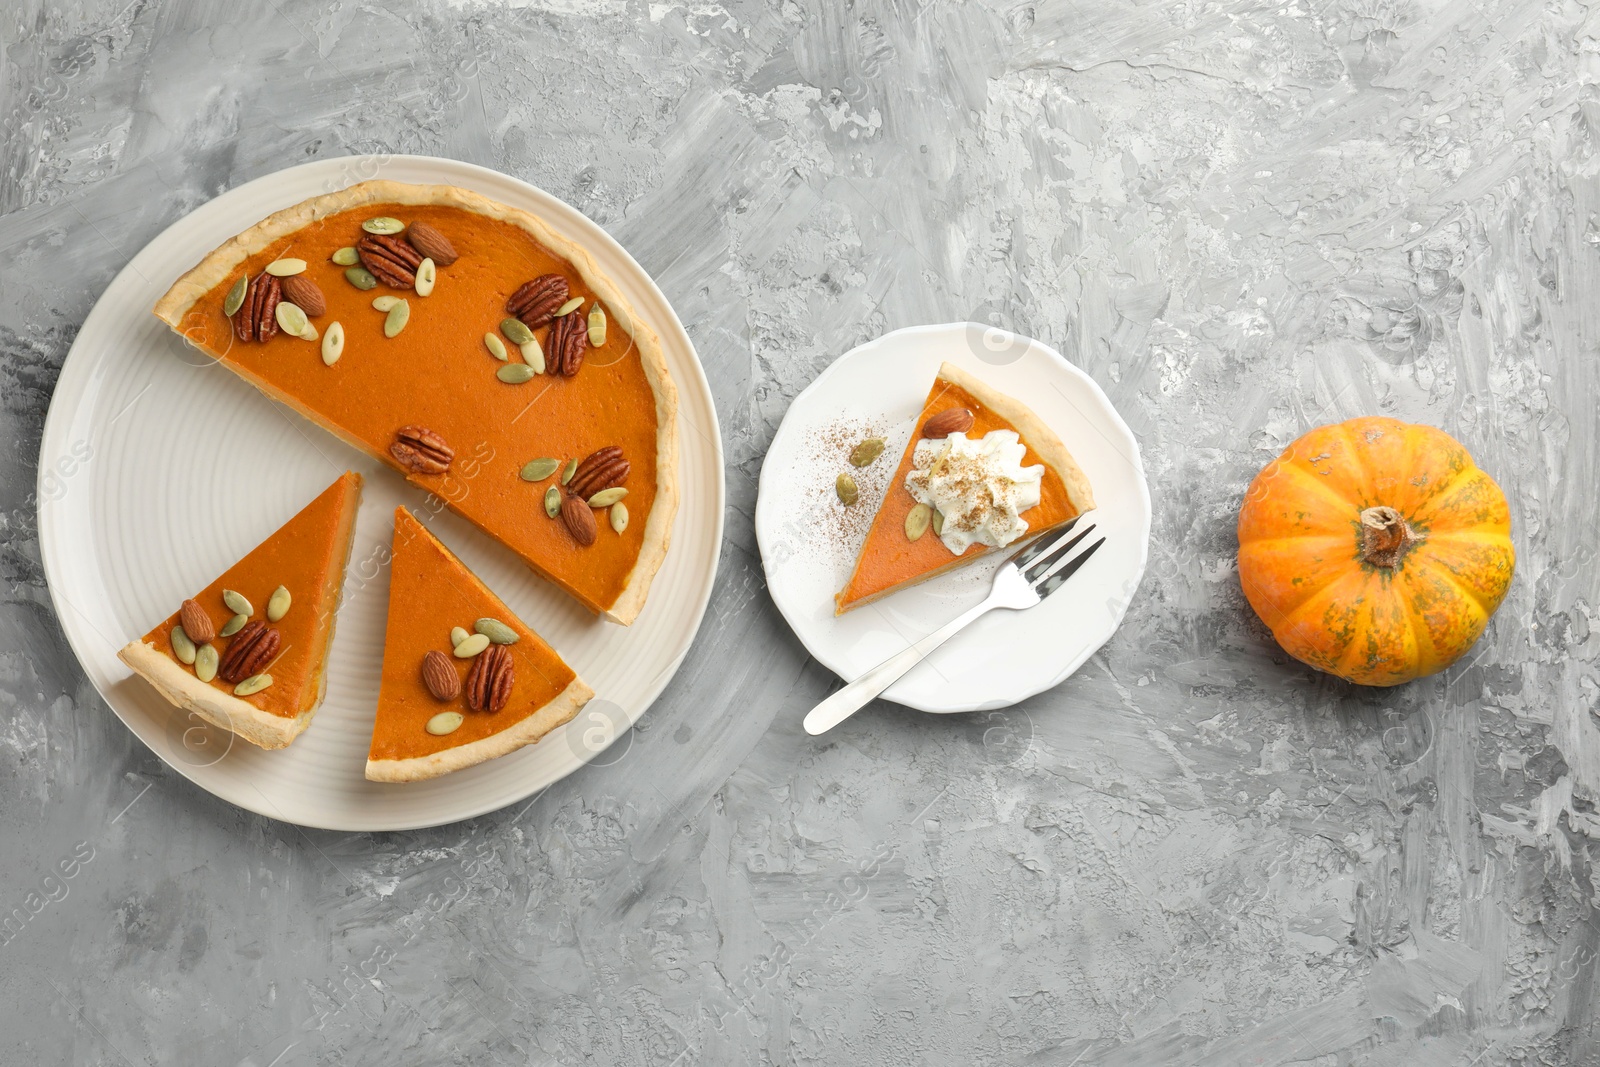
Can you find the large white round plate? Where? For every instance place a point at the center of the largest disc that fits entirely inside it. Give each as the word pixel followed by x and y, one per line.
pixel 159 469
pixel 809 541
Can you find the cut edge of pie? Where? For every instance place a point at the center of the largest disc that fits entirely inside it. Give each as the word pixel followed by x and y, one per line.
pixel 1033 432
pixel 410 536
pixel 180 687
pixel 216 267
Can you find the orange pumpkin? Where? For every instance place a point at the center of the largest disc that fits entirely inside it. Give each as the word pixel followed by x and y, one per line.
pixel 1375 550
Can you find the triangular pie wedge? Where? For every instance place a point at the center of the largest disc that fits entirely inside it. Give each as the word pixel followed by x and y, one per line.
pixel 890 561
pixel 443 371
pixel 306 557
pixel 431 592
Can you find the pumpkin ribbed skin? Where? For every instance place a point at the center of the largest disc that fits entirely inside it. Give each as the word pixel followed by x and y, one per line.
pixel 1351 587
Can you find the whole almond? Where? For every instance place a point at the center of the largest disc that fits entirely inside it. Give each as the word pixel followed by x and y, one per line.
pixel 298 289
pixel 431 243
pixel 196 623
pixel 579 520
pixel 947 422
pixel 440 676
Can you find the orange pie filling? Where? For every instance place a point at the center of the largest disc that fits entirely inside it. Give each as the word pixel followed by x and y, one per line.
pixel 891 559
pixel 463 678
pixel 440 374
pixel 262 629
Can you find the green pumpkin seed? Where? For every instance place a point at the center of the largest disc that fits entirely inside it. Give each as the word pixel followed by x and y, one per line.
pixel 537 470
pixel 286 268
pixel 619 516
pixel 383 224
pixel 866 451
pixel 496 347
pixel 237 603
pixel 235 298
pixel 308 334
pixel 597 326
pixel 333 343
pixel 205 662
pixel 361 278
pixel 917 520
pixel 182 647
pixel 347 256
pixel 533 355
pixel 278 604
pixel 385 303
pixel 515 373
pixel 446 722
pixel 458 634
pixel 496 631
pixel 516 331
pixel 845 486
pixel 233 625
pixel 427 274
pixel 569 470
pixel 397 318
pixel 552 501
pixel 290 318
pixel 606 497
pixel 570 306
pixel 471 646
pixel 252 685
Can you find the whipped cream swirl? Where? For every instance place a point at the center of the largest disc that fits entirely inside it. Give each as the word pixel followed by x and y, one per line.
pixel 980 487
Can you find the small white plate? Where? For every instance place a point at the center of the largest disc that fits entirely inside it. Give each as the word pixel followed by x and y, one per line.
pixel 809 541
pixel 133 518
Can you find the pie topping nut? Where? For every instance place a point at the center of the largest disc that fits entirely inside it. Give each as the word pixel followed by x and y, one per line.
pixel 490 679
pixel 419 449
pixel 439 675
pixel 249 651
pixel 535 303
pixel 433 245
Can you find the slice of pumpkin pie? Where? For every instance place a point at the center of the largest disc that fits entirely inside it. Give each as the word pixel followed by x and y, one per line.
pixel 247 652
pixel 981 471
pixel 463 680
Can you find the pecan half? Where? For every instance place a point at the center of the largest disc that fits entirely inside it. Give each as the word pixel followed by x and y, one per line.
pixel 249 651
pixel 600 470
pixel 419 449
pixel 564 345
pixel 536 302
pixel 578 517
pixel 490 679
pixel 431 243
pixel 947 422
pixel 392 261
pixel 440 676
pixel 196 623
pixel 256 319
pixel 304 294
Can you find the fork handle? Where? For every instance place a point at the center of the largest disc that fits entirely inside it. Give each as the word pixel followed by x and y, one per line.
pixel 853 697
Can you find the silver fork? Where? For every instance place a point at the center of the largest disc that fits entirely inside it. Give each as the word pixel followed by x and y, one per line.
pixel 1022 582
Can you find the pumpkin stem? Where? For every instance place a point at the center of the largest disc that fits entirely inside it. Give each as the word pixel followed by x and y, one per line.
pixel 1385 537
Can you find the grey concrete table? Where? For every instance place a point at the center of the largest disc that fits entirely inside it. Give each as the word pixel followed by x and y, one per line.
pixel 1244 219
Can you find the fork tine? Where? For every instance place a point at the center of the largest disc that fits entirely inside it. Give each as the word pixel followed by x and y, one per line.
pixel 1039 544
pixel 1058 548
pixel 1059 578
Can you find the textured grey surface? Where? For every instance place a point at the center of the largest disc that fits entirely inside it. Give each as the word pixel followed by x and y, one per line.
pixel 1243 218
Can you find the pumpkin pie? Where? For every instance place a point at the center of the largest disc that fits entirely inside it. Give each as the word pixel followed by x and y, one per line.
pixel 247 652
pixel 898 553
pixel 472 348
pixel 463 680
